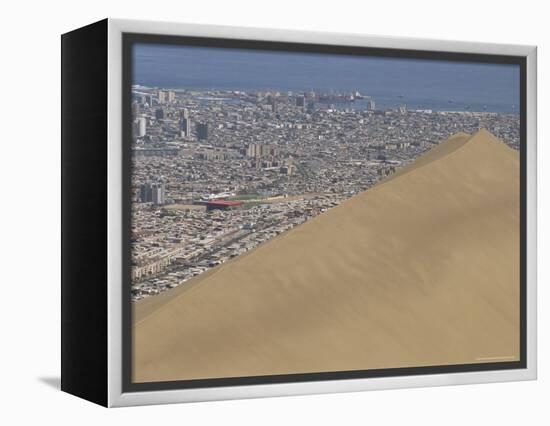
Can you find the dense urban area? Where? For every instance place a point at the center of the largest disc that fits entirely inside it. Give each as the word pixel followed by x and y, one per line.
pixel 216 173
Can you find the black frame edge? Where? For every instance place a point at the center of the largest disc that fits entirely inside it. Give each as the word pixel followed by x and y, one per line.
pixel 84 212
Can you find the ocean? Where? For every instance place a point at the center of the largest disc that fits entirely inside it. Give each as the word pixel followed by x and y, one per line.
pixel 391 82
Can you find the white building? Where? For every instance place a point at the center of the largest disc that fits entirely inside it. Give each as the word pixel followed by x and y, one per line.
pixel 166 96
pixel 139 128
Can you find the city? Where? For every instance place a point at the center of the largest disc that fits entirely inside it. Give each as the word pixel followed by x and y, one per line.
pixel 216 173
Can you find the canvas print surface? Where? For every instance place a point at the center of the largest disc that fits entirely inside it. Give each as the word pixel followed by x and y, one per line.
pixel 296 212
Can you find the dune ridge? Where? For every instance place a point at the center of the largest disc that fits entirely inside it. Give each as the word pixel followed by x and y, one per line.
pixel 421 269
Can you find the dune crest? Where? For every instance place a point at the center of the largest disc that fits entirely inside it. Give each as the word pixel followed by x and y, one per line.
pixel 421 269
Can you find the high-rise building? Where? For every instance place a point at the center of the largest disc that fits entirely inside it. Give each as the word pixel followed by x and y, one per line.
pixel 166 97
pixel 158 194
pixel 145 193
pixel 185 123
pixel 310 107
pixel 257 150
pixel 371 105
pixel 142 126
pixel 185 127
pixel 162 97
pixel 287 169
pixel 300 101
pixel 272 101
pixel 152 193
pixel 159 114
pixel 251 150
pixel 202 131
pixel 139 127
pixel 135 108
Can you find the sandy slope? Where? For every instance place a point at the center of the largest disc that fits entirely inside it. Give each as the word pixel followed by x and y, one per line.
pixel 422 269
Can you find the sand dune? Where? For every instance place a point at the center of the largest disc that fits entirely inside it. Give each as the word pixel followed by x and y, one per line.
pixel 422 269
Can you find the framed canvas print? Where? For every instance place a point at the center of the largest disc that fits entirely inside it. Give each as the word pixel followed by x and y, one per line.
pixel 251 213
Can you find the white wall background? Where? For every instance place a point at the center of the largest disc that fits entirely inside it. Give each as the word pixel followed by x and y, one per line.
pixel 30 180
